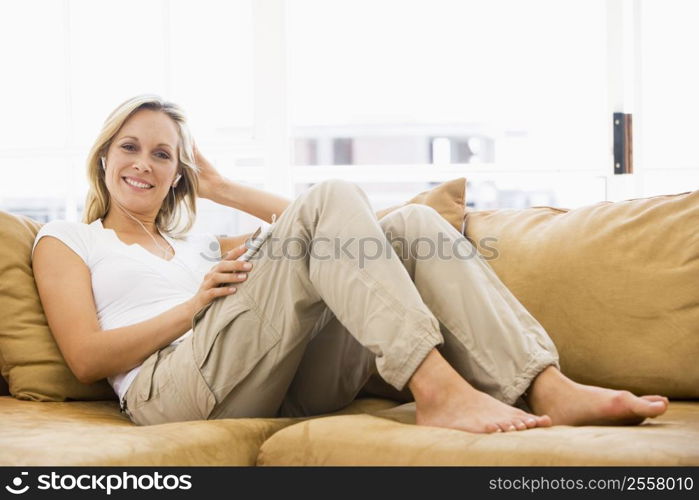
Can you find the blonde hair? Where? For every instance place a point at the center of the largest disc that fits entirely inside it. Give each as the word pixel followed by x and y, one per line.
pixel 178 212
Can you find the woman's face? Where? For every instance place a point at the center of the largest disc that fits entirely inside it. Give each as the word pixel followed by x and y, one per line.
pixel 142 161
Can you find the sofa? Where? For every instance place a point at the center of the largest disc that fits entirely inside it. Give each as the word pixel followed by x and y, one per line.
pixel 616 285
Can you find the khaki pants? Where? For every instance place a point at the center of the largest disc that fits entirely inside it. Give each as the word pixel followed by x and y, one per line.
pixel 332 301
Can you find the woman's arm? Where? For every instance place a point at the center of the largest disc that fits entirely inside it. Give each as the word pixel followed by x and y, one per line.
pixel 215 187
pixel 261 204
pixel 91 353
pixel 120 349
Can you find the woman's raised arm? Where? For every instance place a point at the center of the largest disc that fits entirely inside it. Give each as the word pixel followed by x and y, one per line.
pixel 256 202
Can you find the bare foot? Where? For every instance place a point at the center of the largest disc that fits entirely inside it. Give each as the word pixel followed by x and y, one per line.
pixel 570 403
pixel 444 399
pixel 470 410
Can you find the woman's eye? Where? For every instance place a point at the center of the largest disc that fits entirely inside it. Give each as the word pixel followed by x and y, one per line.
pixel 131 147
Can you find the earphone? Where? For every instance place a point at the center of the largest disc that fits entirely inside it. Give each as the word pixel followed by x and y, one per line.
pixel 174 184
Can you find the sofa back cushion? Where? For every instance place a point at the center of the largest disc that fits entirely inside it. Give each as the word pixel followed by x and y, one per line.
pixel 31 361
pixel 616 285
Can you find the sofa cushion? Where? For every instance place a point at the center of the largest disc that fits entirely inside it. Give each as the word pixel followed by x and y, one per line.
pixel 616 285
pixel 32 363
pixel 448 199
pixel 388 437
pixel 66 433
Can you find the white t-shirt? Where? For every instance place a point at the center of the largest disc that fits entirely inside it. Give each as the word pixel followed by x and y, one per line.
pixel 129 283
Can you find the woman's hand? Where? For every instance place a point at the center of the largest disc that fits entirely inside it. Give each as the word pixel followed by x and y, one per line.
pixel 209 177
pixel 228 271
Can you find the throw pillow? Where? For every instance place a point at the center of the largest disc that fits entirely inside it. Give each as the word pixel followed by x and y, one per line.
pixel 447 198
pixel 32 363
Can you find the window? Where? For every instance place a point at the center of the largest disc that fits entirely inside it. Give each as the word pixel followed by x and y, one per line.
pixel 397 77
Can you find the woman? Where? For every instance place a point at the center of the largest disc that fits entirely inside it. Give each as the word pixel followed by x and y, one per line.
pixel 297 332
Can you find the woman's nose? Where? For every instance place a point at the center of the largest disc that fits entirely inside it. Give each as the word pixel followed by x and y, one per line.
pixel 142 165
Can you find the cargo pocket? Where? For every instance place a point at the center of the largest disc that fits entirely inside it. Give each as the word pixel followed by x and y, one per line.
pixel 226 355
pixel 142 388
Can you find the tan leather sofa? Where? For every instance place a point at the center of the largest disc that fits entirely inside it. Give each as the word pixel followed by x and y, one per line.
pixel 615 284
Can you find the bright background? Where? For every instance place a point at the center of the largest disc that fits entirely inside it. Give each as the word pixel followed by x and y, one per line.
pixel 396 95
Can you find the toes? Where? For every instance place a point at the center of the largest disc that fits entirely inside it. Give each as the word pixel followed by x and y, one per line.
pixel 543 421
pixel 506 426
pixel 656 408
pixel 520 425
pixel 654 399
pixel 645 407
pixel 491 428
pixel 530 422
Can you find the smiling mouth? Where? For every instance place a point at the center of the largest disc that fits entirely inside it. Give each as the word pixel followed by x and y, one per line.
pixel 136 184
